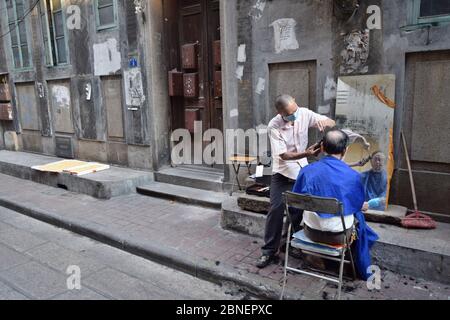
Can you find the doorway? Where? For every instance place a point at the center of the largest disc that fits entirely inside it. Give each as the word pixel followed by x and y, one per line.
pixel 192 49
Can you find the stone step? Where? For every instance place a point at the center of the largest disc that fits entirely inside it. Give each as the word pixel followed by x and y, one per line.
pixel 103 185
pixel 418 253
pixel 192 178
pixel 204 198
pixel 236 219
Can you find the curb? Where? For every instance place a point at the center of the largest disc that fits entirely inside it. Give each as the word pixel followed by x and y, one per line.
pixel 179 198
pixel 198 267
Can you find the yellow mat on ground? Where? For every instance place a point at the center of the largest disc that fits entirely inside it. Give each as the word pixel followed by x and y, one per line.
pixel 59 166
pixel 73 167
pixel 87 168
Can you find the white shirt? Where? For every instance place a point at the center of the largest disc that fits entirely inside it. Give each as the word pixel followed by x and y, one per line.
pixel 291 137
pixel 334 224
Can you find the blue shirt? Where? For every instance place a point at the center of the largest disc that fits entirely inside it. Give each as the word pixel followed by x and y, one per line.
pixel 332 178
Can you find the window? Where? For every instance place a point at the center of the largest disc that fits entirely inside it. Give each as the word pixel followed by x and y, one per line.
pixel 430 11
pixel 53 32
pixel 18 33
pixel 106 13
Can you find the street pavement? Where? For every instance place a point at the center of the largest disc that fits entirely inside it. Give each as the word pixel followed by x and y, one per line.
pixel 189 232
pixel 39 261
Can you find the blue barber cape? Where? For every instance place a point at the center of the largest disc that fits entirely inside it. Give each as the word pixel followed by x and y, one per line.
pixel 332 178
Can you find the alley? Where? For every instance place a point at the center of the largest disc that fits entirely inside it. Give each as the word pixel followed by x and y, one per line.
pixel 188 236
pixel 35 258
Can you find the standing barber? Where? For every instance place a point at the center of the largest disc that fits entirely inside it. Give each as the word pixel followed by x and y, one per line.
pixel 288 133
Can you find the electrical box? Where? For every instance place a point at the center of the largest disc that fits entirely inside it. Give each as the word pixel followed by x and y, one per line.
pixel 176 84
pixel 191 85
pixel 6 112
pixel 189 56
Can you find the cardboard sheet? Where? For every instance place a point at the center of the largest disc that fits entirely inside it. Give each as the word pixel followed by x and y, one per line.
pixel 59 166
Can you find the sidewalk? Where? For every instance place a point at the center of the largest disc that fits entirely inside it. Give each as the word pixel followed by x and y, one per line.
pixel 190 239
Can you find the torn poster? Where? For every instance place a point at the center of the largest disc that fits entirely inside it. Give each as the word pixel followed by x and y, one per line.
pixel 284 35
pixel 107 58
pixel 134 92
pixel 356 52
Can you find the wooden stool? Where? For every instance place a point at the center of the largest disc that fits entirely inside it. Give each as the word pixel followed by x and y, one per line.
pixel 237 161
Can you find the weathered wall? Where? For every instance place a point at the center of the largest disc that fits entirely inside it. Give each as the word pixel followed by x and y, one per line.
pixel 320 32
pixel 62 105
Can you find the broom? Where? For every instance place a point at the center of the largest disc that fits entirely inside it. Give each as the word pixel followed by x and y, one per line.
pixel 416 220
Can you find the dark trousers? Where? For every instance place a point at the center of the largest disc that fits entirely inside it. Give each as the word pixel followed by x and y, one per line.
pixel 274 222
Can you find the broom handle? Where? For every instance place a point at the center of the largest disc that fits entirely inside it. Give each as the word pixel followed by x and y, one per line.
pixel 411 179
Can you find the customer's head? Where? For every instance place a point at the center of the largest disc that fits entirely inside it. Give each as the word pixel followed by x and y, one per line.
pixel 286 105
pixel 378 161
pixel 335 142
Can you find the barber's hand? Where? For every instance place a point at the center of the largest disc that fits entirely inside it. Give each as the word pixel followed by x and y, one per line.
pixel 321 125
pixel 364 161
pixel 313 151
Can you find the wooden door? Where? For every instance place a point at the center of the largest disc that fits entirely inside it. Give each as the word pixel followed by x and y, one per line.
pixel 191 49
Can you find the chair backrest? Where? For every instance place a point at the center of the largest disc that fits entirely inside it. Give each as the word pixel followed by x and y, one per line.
pixel 312 203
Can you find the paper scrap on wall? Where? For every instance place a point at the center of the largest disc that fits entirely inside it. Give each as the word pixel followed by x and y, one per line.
pixel 284 35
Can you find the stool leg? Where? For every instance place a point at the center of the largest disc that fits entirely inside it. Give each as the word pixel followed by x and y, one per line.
pixel 237 176
pixel 236 173
pixel 249 167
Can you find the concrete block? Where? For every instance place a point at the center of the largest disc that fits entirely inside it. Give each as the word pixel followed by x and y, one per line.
pixel 140 157
pixel 103 185
pixel 181 194
pixel 92 151
pixel 254 203
pixel 118 153
pixel 48 145
pixel 191 177
pixel 11 141
pixel 31 141
pixel 234 218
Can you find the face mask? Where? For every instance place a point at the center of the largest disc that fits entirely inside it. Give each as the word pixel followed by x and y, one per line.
pixel 292 117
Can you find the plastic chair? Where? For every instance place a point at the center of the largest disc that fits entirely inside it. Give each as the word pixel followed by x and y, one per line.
pixel 307 246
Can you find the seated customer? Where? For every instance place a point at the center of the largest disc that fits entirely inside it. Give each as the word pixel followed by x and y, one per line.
pixel 332 178
pixel 375 183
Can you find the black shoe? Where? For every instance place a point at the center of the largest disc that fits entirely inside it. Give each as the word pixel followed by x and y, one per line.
pixel 266 260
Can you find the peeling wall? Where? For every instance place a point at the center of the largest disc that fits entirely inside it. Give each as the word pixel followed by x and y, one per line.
pixel 77 109
pixel 291 31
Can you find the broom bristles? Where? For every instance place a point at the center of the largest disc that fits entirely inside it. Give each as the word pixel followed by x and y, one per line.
pixel 418 220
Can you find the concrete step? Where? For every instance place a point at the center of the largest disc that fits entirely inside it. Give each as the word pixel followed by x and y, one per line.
pixel 211 180
pixel 103 185
pixel 418 253
pixel 204 198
